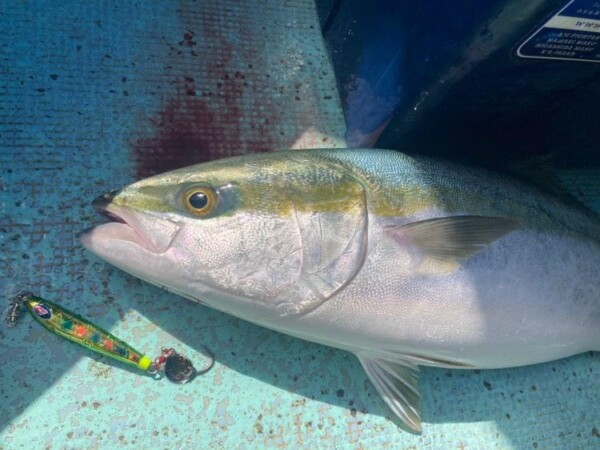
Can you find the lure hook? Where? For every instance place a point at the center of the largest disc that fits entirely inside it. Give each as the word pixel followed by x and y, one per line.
pixel 177 368
pixel 14 308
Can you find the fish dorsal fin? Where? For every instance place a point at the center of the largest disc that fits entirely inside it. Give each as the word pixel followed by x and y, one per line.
pixel 539 170
pixel 398 384
pixel 449 239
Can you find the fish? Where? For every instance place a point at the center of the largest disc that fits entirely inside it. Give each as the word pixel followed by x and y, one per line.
pixel 402 260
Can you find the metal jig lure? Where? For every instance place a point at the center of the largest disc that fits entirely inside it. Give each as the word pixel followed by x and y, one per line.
pixel 76 329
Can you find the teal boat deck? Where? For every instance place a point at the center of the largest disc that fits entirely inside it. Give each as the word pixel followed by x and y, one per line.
pixel 95 95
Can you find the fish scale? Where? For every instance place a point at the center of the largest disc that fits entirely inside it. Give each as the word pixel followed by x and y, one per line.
pixel 402 261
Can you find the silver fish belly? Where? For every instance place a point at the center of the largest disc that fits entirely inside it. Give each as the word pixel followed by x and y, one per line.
pixel 402 261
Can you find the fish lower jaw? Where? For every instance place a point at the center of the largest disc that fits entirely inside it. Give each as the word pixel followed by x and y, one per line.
pixel 106 234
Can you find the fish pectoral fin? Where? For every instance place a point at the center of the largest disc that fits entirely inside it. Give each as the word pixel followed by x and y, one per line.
pixel 448 239
pixel 398 384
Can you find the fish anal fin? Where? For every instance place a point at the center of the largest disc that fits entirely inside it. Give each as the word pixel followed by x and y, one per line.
pixel 398 384
pixel 449 239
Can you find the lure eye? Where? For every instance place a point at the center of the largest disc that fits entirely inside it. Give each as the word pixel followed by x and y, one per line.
pixel 200 200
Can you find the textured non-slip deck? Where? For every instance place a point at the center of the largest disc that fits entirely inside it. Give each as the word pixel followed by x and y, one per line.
pixel 94 95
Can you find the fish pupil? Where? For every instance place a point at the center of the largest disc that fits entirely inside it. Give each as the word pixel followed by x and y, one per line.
pixel 198 200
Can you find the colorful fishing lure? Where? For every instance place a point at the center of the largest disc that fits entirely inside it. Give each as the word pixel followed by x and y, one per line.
pixel 76 329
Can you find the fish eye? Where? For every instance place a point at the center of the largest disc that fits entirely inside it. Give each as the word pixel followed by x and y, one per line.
pixel 200 200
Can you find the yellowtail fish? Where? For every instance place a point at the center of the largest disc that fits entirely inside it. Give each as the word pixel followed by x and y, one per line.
pixel 402 261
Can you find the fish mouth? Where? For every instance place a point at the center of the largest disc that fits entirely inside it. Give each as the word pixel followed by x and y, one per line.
pixel 141 229
pixel 101 204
